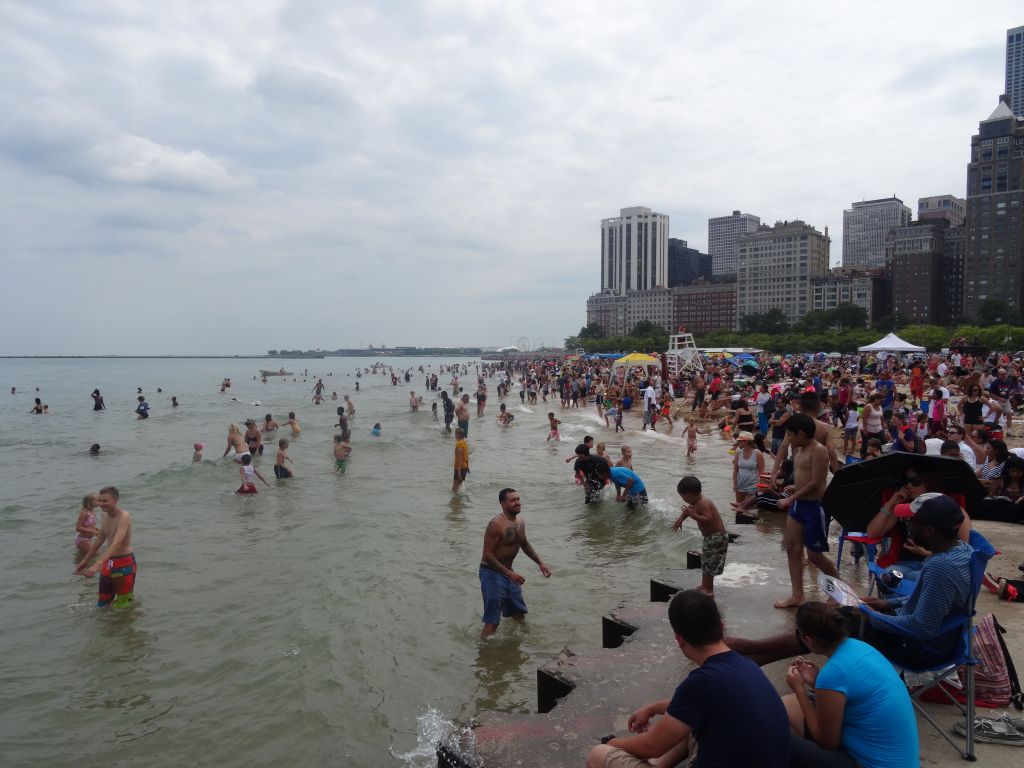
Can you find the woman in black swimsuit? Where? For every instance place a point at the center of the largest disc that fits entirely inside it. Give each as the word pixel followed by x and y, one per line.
pixel 970 407
pixel 38 407
pixel 97 401
pixel 744 417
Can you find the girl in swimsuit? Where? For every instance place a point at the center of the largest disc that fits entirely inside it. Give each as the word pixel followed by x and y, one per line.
pixel 85 526
pixel 236 443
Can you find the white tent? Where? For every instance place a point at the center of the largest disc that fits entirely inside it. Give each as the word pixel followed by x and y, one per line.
pixel 892 343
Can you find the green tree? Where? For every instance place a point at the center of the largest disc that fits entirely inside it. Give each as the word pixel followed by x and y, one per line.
pixel 644 328
pixel 996 312
pixel 272 352
pixel 849 316
pixel 591 331
pixel 818 321
pixel 771 322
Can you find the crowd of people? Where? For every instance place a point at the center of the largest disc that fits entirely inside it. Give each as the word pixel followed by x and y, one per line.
pixel 790 422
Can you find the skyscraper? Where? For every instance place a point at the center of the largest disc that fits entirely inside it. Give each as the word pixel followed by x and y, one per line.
pixel 994 256
pixel 686 264
pixel 724 233
pixel 777 266
pixel 866 225
pixel 634 251
pixel 1015 69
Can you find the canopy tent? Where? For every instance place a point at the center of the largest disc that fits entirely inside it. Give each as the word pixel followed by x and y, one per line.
pixel 891 343
pixel 512 348
pixel 636 360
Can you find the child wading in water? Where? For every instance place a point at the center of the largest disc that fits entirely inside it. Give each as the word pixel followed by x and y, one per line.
pixel 553 427
pixel 198 455
pixel 715 543
pixel 342 450
pixel 248 472
pixel 281 472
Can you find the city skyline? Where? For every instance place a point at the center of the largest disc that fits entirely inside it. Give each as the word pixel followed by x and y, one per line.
pixel 188 179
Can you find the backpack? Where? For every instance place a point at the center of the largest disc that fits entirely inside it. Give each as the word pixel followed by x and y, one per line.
pixel 995 678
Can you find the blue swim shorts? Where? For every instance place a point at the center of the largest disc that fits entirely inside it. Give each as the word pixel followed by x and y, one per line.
pixel 502 596
pixel 812 516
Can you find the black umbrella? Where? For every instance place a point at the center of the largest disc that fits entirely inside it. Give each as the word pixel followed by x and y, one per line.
pixel 857 491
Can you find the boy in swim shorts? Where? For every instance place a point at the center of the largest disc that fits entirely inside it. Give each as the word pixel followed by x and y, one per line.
pixel 281 472
pixel 342 451
pixel 248 473
pixel 553 427
pixel 807 522
pixel 715 542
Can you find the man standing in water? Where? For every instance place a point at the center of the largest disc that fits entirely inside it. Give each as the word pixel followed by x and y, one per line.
pixel 462 414
pixel 449 410
pixel 118 569
pixel 504 537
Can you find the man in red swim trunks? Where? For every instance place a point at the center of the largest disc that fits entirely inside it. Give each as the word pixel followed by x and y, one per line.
pixel 117 568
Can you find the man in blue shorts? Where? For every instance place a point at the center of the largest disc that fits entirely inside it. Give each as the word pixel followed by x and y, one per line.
pixel 807 522
pixel 708 708
pixel 500 585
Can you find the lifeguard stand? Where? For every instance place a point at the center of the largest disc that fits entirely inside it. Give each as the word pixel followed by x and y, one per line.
pixel 682 355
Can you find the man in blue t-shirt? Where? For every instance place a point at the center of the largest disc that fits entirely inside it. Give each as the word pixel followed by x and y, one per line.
pixel 705 705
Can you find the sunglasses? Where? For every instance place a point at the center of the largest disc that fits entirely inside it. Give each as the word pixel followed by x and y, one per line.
pixel 912 481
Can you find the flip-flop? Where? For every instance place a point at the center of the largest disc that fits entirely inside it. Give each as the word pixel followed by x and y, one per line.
pixel 1000 730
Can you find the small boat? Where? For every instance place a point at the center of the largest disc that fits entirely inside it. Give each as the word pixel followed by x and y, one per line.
pixel 281 372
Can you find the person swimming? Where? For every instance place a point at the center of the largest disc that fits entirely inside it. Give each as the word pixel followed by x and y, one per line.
pixel 375 432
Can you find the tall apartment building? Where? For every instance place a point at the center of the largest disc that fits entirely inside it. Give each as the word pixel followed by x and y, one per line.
pixel 703 307
pixel 994 257
pixel 776 267
pixel 686 264
pixel 864 287
pixel 724 233
pixel 865 227
pixel 944 207
pixel 654 306
pixel 634 251
pixel 608 310
pixel 914 260
pixel 953 251
pixel 1015 69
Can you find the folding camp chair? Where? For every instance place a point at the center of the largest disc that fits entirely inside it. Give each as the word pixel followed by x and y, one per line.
pixel 963 655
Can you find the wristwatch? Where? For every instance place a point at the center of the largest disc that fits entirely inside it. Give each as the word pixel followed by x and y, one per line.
pixel 606 739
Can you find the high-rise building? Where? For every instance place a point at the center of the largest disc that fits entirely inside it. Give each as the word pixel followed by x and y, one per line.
pixel 953 249
pixel 776 267
pixel 654 306
pixel 994 257
pixel 608 310
pixel 703 307
pixel 944 207
pixel 865 227
pixel 634 251
pixel 1015 69
pixel 686 264
pixel 915 263
pixel 724 233
pixel 864 287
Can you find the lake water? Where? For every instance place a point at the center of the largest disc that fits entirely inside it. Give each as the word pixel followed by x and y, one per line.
pixel 328 620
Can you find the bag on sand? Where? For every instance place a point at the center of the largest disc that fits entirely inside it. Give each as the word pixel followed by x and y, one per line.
pixel 995 679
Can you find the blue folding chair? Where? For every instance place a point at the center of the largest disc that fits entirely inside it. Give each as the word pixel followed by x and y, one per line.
pixel 962 657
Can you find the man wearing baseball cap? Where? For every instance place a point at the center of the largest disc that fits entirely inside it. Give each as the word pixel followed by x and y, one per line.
pixel 942 590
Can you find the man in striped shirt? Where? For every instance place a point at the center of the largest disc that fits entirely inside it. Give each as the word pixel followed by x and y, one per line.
pixel 942 590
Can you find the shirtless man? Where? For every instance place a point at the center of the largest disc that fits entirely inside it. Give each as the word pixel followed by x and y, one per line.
pixel 350 408
pixel 293 423
pixel 117 568
pixel 807 521
pixel 810 405
pixel 318 390
pixel 269 425
pixel 504 537
pixel 462 414
pixel 414 402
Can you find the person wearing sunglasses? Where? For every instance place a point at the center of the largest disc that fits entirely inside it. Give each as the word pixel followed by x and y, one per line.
pixel 903 555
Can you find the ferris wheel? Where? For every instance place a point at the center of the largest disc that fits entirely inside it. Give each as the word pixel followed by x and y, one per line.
pixel 523 344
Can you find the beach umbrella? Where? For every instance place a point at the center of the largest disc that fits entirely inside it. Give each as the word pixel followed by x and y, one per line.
pixel 857 491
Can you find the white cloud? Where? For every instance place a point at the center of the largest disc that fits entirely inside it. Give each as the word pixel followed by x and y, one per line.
pixel 435 173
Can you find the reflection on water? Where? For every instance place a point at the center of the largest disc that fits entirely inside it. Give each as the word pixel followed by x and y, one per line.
pixel 317 621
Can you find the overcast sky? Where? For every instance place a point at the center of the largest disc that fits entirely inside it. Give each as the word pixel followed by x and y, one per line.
pixel 231 177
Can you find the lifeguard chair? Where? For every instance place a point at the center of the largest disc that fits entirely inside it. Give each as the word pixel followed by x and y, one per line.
pixel 682 355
